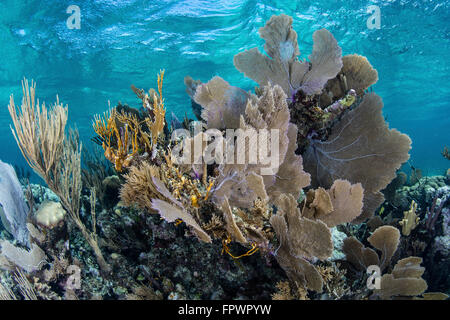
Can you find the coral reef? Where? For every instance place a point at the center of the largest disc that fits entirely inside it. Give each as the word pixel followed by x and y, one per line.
pixel 269 222
pixel 429 237
pixel 359 146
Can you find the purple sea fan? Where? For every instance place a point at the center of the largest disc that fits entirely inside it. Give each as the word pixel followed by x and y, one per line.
pixel 361 148
pixel 13 208
pixel 282 66
pixel 222 104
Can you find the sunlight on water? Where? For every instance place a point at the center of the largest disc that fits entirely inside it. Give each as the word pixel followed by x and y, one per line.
pixel 127 42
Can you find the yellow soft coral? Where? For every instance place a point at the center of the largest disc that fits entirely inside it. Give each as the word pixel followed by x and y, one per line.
pixel 410 219
pixel 154 103
pixel 123 134
pixel 126 142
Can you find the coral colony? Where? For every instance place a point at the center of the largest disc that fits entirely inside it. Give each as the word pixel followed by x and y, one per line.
pixel 290 192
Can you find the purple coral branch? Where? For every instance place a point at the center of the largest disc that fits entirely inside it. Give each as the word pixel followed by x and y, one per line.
pixel 197 175
pixel 429 213
pixel 433 214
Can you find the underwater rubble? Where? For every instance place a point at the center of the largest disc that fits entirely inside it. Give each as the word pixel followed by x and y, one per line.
pixel 125 220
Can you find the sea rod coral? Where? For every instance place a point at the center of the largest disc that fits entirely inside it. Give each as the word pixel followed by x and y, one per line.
pixel 53 155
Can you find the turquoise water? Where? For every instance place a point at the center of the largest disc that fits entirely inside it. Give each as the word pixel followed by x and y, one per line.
pixel 127 42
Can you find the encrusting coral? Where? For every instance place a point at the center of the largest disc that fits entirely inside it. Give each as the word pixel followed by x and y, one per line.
pixel 50 214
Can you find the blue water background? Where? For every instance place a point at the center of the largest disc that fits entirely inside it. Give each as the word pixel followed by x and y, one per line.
pixel 127 42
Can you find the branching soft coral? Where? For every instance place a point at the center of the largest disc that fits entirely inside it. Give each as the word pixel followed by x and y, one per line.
pixel 167 191
pixel 123 135
pixel 120 147
pixel 54 155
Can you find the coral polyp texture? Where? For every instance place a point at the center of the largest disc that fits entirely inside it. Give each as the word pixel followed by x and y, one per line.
pixel 284 216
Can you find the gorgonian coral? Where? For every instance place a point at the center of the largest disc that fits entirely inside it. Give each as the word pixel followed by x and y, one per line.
pixel 360 148
pixel 384 238
pixel 304 235
pixel 54 155
pixel 404 280
pixel 324 120
pixel 446 153
pixel 331 155
pixel 13 208
pixel 341 131
pixel 270 112
pixel 283 67
pixel 222 104
pixel 357 73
